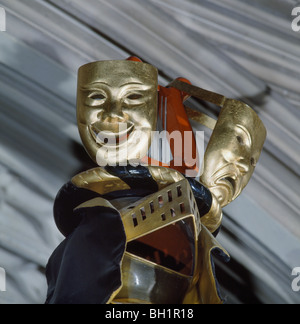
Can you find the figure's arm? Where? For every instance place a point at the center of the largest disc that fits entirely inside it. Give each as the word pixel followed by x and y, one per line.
pixel 86 267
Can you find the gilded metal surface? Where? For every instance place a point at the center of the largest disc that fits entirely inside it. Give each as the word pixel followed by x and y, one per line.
pixel 213 219
pixel 164 176
pixel 166 207
pixel 96 202
pixel 234 147
pixel 100 181
pixel 201 118
pixel 205 290
pixel 117 110
pixel 145 282
pixel 233 151
pixel 199 93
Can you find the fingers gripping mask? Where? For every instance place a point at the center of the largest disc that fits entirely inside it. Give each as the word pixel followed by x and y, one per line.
pixel 117 110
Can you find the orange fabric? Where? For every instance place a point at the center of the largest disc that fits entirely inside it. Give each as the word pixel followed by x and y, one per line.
pixel 174 118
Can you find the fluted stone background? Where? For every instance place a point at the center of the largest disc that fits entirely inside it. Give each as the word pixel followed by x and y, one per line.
pixel 244 49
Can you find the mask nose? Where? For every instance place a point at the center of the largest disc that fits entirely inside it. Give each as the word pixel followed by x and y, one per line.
pixel 112 113
pixel 243 165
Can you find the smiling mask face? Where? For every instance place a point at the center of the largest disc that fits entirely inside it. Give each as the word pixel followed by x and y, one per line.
pixel 117 110
pixel 233 151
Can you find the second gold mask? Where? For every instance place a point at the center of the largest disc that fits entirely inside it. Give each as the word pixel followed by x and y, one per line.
pixel 233 151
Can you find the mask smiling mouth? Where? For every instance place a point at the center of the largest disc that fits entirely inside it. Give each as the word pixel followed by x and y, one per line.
pixel 111 134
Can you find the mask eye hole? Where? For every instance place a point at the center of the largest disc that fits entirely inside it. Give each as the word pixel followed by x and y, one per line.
pixel 253 162
pixel 97 96
pixel 134 96
pixel 240 140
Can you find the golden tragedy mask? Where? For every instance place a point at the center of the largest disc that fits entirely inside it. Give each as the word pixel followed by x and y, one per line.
pixel 233 151
pixel 234 147
pixel 117 110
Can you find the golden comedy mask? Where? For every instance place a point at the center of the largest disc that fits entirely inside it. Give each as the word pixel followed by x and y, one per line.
pixel 117 110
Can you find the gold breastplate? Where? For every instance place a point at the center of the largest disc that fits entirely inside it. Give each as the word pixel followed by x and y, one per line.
pixel 168 255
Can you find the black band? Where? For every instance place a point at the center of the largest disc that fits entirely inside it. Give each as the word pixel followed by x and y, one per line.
pixel 141 184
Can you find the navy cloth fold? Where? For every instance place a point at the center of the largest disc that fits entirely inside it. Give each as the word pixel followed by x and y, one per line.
pixel 86 267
